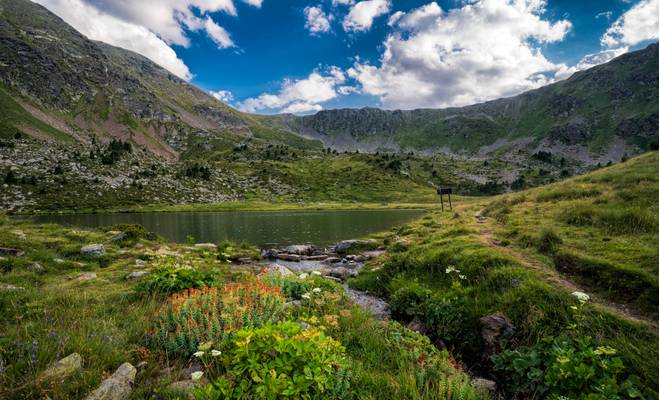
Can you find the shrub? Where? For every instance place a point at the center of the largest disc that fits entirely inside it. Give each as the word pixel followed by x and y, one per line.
pixel 210 314
pixel 282 361
pixel 406 302
pixel 571 368
pixel 171 278
pixel 547 241
pixel 231 251
pixel 130 233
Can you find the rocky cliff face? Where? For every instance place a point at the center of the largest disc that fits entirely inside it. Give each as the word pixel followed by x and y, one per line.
pixel 599 113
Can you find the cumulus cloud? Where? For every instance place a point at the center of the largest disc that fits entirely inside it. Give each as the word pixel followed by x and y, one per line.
pixel 299 96
pixel 316 20
pixel 103 27
pixel 222 95
pixel 591 60
pixel 638 24
pixel 483 50
pixel 148 27
pixel 362 14
pixel 343 2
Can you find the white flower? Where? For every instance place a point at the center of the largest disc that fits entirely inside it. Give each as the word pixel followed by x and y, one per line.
pixel 198 354
pixel 304 276
pixel 316 290
pixel 316 273
pixel 462 276
pixel 450 269
pixel 196 375
pixel 581 296
pixel 306 296
pixel 215 353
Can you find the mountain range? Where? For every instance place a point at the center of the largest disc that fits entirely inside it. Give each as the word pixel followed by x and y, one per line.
pixel 57 84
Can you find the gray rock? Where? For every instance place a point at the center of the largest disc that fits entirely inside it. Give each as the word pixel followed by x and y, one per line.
pixel 117 237
pixel 207 246
pixel 332 260
pixel 62 369
pixel 58 261
pixel 137 274
pixel 289 257
pixel 338 272
pixel 279 269
pixel 494 329
pixel 304 325
pixel 345 245
pixel 140 262
pixel 300 249
pixel 119 386
pixel 92 250
pixel 270 254
pixel 417 325
pixel 86 276
pixel 359 259
pixel 8 251
pixel 484 386
pixel 245 260
pixel 36 267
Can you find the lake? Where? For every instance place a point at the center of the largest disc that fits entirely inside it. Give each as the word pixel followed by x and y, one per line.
pixel 263 229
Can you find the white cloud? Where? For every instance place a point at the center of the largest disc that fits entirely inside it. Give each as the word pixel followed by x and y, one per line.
pixel 100 26
pixel 218 34
pixel 255 3
pixel 222 95
pixel 604 14
pixel 317 20
pixel 299 96
pixel 591 60
pixel 640 23
pixel 362 14
pixel 342 2
pixel 483 50
pixel 148 27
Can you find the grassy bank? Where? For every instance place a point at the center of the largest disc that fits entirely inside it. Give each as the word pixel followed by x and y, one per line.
pixel 53 309
pixel 523 255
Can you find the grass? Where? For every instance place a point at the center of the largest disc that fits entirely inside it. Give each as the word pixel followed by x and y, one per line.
pixel 105 319
pixel 517 261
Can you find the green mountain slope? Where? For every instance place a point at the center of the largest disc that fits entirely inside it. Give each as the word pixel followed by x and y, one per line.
pixel 594 116
pixel 90 89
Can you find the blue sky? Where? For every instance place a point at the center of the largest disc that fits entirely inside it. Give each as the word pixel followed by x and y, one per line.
pixel 269 56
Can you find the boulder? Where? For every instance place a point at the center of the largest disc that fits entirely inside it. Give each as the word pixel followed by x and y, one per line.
pixel 137 274
pixel 119 386
pixel 304 325
pixel 300 249
pixel 92 250
pixel 207 246
pixel 62 369
pixel 345 245
pixel 117 236
pixel 359 258
pixel 279 269
pixel 36 267
pixel 494 329
pixel 339 273
pixel 270 254
pixel 289 257
pixel 86 276
pixel 332 260
pixel 483 386
pixel 9 251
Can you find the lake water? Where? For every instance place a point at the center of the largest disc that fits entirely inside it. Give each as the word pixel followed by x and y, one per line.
pixel 264 229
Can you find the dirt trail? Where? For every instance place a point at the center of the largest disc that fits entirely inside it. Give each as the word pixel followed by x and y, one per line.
pixel 486 236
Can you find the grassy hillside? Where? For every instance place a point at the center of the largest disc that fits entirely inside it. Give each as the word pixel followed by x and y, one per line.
pixel 523 255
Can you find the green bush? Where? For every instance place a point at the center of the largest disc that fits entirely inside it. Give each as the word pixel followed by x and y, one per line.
pixel 564 368
pixel 229 250
pixel 547 241
pixel 282 361
pixel 170 278
pixel 615 221
pixel 407 301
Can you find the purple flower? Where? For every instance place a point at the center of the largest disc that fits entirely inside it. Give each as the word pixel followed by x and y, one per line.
pixel 514 282
pixel 52 334
pixel 106 338
pixel 33 359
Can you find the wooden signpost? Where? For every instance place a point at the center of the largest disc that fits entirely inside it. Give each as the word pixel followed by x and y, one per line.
pixel 441 192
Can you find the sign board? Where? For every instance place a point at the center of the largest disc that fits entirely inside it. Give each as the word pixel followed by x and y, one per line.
pixel 441 191
pixel 445 191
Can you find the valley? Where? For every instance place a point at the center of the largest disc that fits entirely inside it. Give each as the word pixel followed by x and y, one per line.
pixel 158 243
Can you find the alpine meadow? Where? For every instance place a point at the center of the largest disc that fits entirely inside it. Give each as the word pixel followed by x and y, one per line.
pixel 329 199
